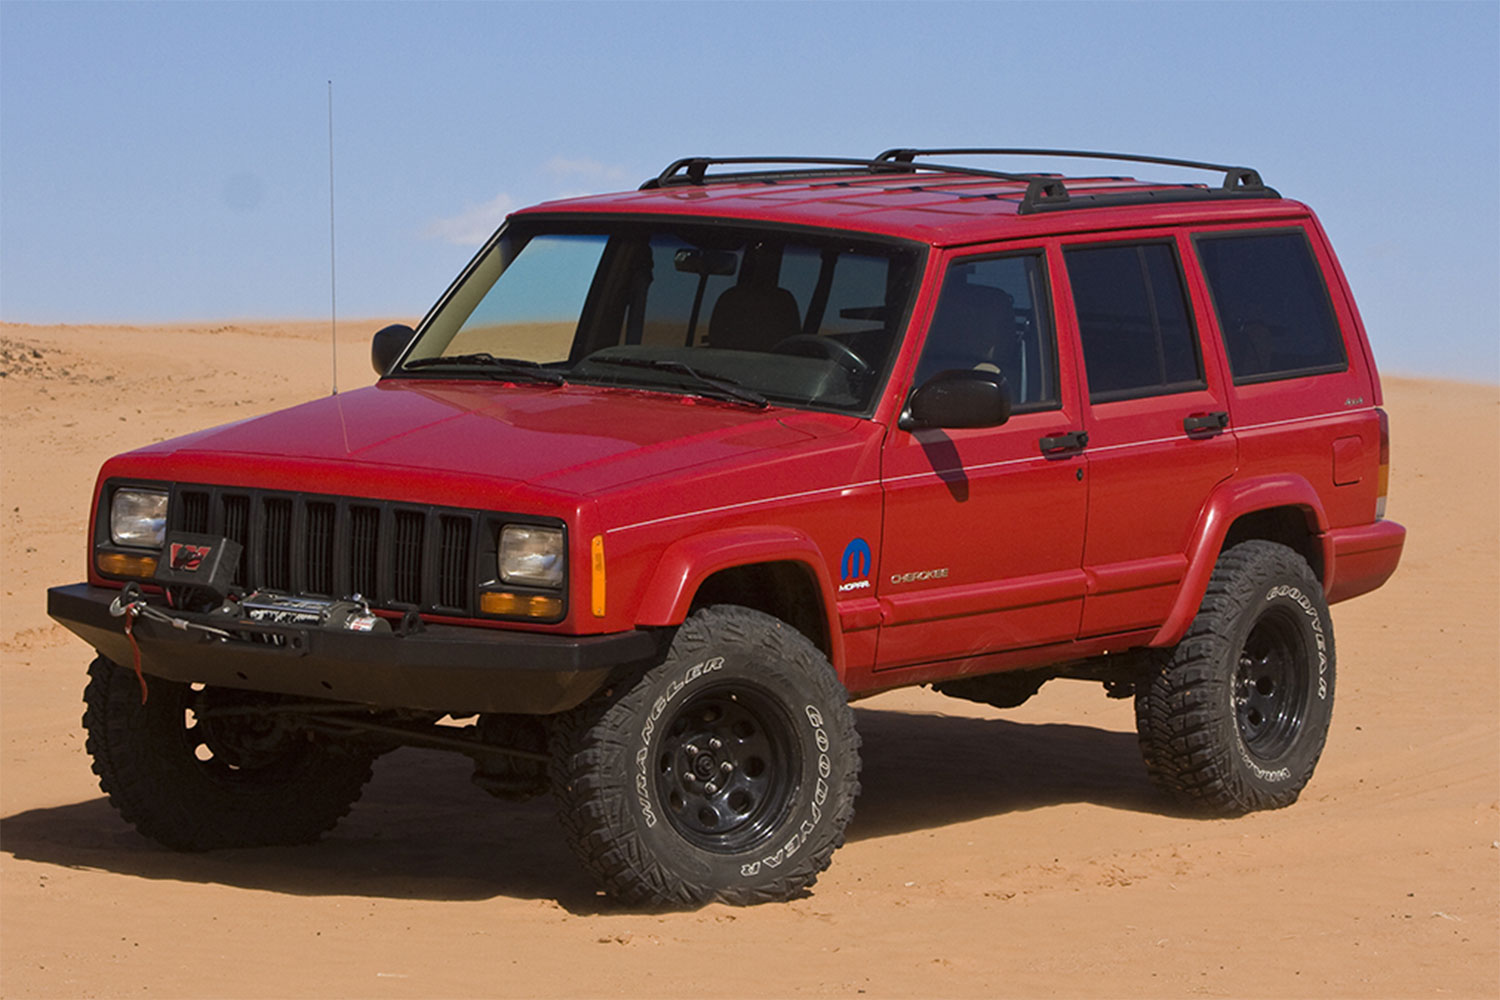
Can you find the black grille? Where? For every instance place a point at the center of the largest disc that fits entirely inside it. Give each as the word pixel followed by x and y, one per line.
pixel 320 516
pixel 453 557
pixel 364 530
pixel 407 571
pixel 195 512
pixel 277 551
pixel 392 554
pixel 236 514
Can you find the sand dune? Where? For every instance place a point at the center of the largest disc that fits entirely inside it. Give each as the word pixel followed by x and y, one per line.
pixel 993 854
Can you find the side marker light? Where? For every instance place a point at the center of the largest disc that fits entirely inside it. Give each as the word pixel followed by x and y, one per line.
pixel 596 581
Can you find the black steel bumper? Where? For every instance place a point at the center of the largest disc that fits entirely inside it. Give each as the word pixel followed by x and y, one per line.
pixel 442 668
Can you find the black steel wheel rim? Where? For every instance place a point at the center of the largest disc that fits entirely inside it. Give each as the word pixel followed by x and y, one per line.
pixel 727 768
pixel 1272 685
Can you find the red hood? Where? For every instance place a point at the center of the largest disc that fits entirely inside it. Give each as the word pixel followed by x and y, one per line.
pixel 575 440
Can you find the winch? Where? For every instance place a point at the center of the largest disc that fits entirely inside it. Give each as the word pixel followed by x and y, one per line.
pixel 270 608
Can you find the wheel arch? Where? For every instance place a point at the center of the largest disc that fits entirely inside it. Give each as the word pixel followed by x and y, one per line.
pixel 1282 509
pixel 775 570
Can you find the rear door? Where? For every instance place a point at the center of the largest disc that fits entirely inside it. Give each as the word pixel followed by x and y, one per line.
pixel 1157 419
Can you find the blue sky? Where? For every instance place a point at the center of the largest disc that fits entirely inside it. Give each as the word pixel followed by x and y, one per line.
pixel 170 161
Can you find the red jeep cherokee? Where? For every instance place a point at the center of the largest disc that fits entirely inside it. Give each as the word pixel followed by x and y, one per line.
pixel 666 477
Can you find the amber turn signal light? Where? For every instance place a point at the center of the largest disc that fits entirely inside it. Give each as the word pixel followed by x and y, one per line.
pixel 520 605
pixel 125 564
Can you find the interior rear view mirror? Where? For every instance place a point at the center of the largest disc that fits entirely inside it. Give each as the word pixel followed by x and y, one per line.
pixel 706 262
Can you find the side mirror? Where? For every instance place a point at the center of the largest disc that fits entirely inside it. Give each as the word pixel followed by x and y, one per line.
pixel 388 345
pixel 958 398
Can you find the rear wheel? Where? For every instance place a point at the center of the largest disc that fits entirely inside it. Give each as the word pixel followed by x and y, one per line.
pixel 727 772
pixel 196 768
pixel 1235 720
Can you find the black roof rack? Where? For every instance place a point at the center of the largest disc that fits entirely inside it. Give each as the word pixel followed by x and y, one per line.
pixel 1044 192
pixel 694 170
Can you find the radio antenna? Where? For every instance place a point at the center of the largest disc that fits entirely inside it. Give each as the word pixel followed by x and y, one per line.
pixel 333 295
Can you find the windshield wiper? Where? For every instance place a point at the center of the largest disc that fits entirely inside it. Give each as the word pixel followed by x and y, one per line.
pixel 714 386
pixel 509 367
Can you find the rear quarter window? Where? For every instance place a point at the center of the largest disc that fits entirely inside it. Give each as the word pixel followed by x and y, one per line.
pixel 1272 305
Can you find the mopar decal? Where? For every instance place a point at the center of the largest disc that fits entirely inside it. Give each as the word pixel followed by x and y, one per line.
pixel 854 567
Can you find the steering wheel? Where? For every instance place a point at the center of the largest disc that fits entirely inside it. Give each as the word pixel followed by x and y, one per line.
pixel 811 345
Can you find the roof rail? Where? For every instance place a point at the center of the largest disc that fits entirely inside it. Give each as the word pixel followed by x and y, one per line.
pixel 1238 181
pixel 1044 192
pixel 694 169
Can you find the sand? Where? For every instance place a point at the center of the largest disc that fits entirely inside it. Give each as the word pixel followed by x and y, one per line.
pixel 993 854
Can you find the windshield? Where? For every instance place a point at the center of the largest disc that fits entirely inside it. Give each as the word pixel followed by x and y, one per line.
pixel 752 316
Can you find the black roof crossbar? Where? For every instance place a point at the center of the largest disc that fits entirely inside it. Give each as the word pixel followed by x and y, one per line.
pixel 1238 181
pixel 1044 192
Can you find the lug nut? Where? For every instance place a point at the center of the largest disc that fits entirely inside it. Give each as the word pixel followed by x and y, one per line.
pixel 714 743
pixel 690 778
pixel 710 788
pixel 726 767
pixel 691 750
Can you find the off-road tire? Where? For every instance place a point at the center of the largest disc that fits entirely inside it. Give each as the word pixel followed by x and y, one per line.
pixel 1234 720
pixel 740 696
pixel 190 788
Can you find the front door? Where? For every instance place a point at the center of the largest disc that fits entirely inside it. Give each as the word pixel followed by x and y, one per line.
pixel 982 543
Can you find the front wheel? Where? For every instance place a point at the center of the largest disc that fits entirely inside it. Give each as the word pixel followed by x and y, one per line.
pixel 196 768
pixel 1236 718
pixel 726 772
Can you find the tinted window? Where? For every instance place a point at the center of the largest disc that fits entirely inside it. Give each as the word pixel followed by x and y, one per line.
pixel 993 314
pixel 1133 320
pixel 1272 306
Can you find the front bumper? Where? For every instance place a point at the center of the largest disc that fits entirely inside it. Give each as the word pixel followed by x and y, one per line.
pixel 443 668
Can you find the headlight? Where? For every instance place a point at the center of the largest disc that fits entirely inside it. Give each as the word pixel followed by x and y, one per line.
pixel 138 517
pixel 531 556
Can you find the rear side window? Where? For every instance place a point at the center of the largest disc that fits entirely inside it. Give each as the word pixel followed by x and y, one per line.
pixel 1133 321
pixel 1272 305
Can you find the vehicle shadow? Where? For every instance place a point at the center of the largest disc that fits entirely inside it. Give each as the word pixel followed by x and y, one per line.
pixel 922 771
pixel 423 831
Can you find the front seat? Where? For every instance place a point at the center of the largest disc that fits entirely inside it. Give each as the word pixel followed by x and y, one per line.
pixel 755 314
pixel 974 327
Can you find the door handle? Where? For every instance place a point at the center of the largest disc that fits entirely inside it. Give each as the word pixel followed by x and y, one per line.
pixel 1067 441
pixel 1215 421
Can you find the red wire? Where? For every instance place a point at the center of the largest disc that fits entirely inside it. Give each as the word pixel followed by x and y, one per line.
pixel 130 613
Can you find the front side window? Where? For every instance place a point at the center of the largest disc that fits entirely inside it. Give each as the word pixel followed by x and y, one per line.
pixel 790 319
pixel 1133 320
pixel 994 315
pixel 1272 306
